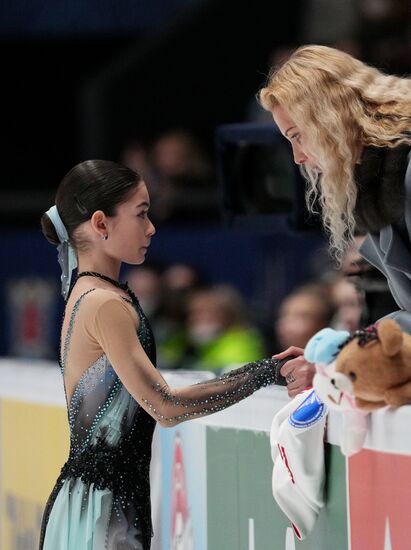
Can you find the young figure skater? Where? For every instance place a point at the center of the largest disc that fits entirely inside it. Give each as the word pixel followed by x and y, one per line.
pixel 114 393
pixel 349 126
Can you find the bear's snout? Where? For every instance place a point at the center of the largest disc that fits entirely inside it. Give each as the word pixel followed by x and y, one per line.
pixel 341 382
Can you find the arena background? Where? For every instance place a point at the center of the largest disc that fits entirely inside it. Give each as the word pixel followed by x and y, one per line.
pixel 105 79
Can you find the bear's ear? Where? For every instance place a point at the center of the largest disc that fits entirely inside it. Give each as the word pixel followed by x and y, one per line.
pixel 390 335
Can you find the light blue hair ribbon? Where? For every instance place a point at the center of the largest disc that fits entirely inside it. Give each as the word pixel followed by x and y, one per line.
pixel 66 255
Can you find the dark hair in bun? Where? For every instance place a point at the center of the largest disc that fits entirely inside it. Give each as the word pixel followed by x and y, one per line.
pixel 89 186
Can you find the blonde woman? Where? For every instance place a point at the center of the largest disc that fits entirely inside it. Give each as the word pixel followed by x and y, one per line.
pixel 349 126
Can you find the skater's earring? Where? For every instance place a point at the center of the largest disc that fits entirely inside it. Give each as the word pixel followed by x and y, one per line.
pixel 104 237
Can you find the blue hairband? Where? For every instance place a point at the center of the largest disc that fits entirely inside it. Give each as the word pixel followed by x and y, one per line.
pixel 66 255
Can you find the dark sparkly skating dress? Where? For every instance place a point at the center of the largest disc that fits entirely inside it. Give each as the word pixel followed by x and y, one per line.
pixel 101 499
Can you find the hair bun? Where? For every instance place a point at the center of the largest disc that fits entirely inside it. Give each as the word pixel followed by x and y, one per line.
pixel 48 229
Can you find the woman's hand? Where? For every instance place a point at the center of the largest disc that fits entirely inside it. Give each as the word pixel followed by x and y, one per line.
pixel 298 372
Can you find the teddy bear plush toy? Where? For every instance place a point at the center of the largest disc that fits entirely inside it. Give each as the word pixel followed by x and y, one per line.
pixel 361 373
pixel 373 366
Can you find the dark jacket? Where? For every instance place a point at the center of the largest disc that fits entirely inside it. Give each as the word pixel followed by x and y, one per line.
pixel 388 247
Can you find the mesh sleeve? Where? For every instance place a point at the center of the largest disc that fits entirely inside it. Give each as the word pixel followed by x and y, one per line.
pixel 115 330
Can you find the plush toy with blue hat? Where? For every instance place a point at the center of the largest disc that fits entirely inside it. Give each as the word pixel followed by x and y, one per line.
pixel 373 366
pixel 323 350
pixel 324 346
pixel 361 373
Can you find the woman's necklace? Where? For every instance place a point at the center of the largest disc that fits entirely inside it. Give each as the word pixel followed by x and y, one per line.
pixel 123 286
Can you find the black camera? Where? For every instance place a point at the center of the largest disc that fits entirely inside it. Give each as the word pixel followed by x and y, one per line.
pixel 260 185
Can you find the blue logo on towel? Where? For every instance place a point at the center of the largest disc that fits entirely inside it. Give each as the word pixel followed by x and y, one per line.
pixel 310 411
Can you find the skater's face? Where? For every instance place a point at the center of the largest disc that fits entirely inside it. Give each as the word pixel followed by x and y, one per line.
pixel 290 130
pixel 130 230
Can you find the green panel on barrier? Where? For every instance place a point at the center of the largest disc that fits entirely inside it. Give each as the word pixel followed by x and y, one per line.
pixel 331 528
pixel 242 514
pixel 222 488
pixel 262 525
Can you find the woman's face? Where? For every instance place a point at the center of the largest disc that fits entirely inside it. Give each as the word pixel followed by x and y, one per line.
pixel 290 130
pixel 130 231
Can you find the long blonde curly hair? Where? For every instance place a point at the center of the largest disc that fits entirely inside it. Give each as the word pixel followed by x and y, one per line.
pixel 339 104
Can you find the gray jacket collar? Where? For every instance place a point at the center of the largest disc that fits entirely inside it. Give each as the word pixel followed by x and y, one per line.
pixel 387 247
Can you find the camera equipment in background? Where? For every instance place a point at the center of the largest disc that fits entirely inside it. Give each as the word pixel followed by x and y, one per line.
pixel 259 182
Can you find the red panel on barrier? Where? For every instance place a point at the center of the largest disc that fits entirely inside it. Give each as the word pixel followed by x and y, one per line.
pixel 379 501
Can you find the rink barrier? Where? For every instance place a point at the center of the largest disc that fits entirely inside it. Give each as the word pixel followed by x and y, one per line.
pixel 211 477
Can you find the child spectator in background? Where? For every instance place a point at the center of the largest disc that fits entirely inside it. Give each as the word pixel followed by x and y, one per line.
pixel 219 334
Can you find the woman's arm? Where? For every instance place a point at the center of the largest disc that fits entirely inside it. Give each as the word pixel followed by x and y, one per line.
pixel 301 370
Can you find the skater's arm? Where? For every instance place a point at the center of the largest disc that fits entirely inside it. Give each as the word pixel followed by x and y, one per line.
pixel 115 331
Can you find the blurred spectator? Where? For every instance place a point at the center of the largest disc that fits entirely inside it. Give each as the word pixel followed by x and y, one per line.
pixel 146 283
pixel 163 294
pixel 181 277
pixel 135 156
pixel 184 187
pixel 305 311
pixel 346 293
pixel 179 176
pixel 218 331
pixel 349 304
pixel 178 282
pixel 177 155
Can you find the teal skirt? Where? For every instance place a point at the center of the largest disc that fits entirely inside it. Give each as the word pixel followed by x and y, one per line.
pixel 82 518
